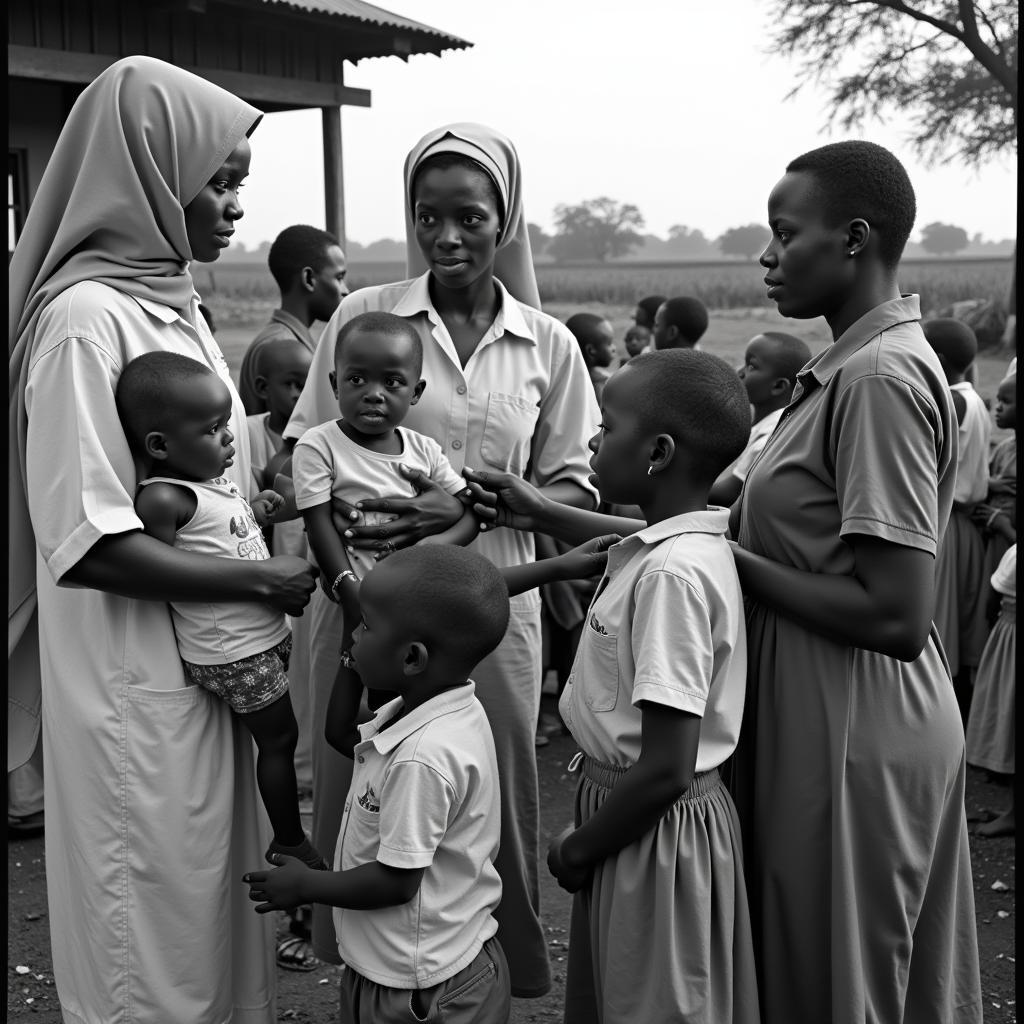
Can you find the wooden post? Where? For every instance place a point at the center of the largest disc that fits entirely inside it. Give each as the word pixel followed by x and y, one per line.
pixel 334 177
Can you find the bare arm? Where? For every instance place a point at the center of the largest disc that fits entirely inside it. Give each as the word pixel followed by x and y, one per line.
pixel 639 800
pixel 139 566
pixel 884 606
pixel 583 562
pixel 366 887
pixel 462 533
pixel 503 499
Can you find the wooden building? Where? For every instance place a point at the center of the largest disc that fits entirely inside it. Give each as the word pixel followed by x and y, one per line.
pixel 277 54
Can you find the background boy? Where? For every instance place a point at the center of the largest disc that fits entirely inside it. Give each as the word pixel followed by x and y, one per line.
pixel 960 584
pixel 680 323
pixel 309 267
pixel 770 365
pixel 596 339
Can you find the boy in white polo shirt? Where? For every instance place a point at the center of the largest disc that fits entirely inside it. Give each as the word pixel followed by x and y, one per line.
pixel 414 882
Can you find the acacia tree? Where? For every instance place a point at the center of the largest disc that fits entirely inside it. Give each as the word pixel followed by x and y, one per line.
pixel 948 65
pixel 596 229
pixel 943 239
pixel 746 241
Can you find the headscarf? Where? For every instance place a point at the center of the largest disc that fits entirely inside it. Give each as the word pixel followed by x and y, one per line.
pixel 513 261
pixel 139 144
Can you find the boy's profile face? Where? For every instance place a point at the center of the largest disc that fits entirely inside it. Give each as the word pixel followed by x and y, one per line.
pixel 665 335
pixel 600 349
pixel 284 378
pixel 1006 404
pixel 620 459
pixel 376 379
pixel 197 445
pixel 329 286
pixel 758 372
pixel 642 318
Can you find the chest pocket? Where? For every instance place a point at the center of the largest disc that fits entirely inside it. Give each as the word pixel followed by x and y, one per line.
pixel 508 431
pixel 597 671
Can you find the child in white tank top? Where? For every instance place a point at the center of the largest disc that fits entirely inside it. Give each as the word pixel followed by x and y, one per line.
pixel 175 413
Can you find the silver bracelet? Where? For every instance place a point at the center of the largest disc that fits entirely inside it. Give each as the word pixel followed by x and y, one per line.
pixel 344 574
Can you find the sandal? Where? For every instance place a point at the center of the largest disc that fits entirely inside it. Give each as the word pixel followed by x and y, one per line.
pixel 296 954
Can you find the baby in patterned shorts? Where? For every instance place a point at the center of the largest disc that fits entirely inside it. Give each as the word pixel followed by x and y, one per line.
pixel 175 413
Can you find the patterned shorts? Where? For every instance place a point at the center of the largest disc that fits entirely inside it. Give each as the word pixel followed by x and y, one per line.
pixel 250 684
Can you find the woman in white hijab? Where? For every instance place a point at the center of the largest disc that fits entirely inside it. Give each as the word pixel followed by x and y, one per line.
pixel 151 811
pixel 506 388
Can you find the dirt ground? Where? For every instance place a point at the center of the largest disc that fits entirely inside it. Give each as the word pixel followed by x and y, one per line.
pixel 312 998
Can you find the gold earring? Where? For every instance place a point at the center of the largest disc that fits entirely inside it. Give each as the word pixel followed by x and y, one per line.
pixel 650 470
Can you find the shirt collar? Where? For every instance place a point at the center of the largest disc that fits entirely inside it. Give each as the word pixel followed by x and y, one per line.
pixel 710 520
pixel 454 699
pixel 905 309
pixel 163 313
pixel 296 326
pixel 510 319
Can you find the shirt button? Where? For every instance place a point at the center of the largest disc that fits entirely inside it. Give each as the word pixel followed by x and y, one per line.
pixel 456 445
pixel 461 389
pixel 360 759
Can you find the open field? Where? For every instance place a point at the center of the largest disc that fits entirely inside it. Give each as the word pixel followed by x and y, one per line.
pixel 234 290
pixel 727 335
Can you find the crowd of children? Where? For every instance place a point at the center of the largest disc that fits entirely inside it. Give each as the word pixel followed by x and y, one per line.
pixel 769 820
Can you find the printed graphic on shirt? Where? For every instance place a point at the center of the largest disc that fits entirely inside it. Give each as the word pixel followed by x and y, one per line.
pixel 251 544
pixel 369 800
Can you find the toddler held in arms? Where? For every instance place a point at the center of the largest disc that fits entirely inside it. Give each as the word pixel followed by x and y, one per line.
pixel 175 412
pixel 376 379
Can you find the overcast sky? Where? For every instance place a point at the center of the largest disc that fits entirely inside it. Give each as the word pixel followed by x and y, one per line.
pixel 674 106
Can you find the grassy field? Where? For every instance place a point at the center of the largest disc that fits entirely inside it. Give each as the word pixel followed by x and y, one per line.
pixel 241 293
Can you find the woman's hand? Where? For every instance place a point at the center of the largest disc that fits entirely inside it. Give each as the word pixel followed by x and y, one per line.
pixel 588 559
pixel 504 499
pixel 1003 485
pixel 432 510
pixel 570 877
pixel 289 582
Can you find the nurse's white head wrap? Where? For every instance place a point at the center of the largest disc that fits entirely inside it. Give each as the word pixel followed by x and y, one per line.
pixel 513 261
pixel 138 146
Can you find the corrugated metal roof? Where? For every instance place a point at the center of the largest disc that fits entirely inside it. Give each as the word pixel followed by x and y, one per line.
pixel 374 15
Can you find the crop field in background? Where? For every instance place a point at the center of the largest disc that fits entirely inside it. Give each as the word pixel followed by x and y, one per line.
pixel 244 293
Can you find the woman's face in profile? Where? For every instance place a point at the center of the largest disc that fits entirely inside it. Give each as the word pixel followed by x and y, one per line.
pixel 809 271
pixel 457 223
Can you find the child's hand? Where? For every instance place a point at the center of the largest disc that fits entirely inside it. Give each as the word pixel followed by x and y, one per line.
pixel 503 499
pixel 570 878
pixel 280 889
pixel 1003 485
pixel 588 559
pixel 264 505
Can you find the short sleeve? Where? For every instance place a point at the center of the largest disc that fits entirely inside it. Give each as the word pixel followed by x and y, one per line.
pixel 885 447
pixel 415 807
pixel 80 469
pixel 671 640
pixel 441 470
pixel 1004 579
pixel 568 417
pixel 312 473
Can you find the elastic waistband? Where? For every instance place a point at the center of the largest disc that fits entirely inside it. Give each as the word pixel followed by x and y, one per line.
pixel 607 775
